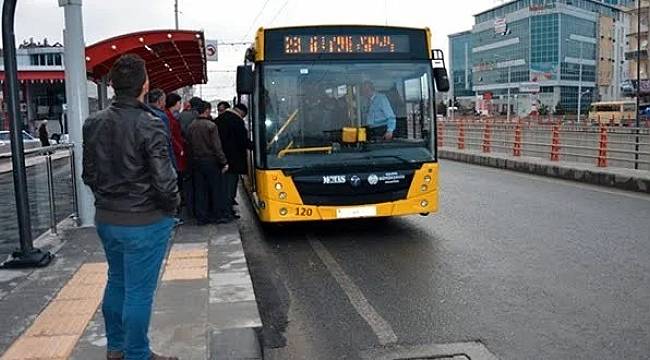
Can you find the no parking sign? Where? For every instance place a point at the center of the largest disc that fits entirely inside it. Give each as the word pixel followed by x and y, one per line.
pixel 211 50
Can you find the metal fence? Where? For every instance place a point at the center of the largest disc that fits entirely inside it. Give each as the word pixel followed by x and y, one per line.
pixel 603 146
pixel 51 189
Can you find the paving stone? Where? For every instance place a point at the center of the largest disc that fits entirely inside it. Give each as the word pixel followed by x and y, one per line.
pixel 81 292
pixel 186 274
pixel 50 325
pixel 71 307
pixel 46 347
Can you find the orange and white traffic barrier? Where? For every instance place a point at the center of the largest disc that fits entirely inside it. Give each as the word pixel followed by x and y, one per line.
pixel 487 138
pixel 516 147
pixel 461 135
pixel 555 144
pixel 441 132
pixel 602 147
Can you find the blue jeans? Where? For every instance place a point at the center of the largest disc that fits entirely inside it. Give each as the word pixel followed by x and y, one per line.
pixel 134 255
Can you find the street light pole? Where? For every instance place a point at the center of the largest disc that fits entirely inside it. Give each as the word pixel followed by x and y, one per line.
pixel 580 86
pixel 176 13
pixel 638 83
pixel 509 82
pixel 28 256
pixel 76 91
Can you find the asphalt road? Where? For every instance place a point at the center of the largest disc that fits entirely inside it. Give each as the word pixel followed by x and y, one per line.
pixel 531 267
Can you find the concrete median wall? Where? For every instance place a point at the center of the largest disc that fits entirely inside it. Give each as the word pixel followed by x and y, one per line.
pixel 625 179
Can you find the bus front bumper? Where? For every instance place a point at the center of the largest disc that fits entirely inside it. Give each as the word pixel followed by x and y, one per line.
pixel 276 211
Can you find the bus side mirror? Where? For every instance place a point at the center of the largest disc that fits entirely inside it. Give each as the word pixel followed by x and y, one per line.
pixel 441 79
pixel 245 80
pixel 439 70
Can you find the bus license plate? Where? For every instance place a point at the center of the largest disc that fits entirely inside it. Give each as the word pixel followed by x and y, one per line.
pixel 356 212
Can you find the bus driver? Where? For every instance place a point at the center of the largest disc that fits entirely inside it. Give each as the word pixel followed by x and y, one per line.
pixel 380 118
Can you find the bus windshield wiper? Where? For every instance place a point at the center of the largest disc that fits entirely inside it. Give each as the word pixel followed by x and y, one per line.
pixel 398 157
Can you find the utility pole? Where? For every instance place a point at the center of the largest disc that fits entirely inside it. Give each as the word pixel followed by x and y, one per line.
pixel 76 92
pixel 509 82
pixel 176 13
pixel 580 86
pixel 638 83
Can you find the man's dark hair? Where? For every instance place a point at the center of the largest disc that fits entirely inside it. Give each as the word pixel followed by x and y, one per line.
pixel 155 95
pixel 128 75
pixel 172 100
pixel 225 104
pixel 202 107
pixel 242 107
pixel 196 103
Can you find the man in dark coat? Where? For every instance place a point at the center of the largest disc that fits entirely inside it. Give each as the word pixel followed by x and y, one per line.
pixel 235 142
pixel 209 163
pixel 43 135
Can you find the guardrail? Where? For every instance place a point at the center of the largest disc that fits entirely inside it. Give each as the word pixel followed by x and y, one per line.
pixel 614 146
pixel 47 152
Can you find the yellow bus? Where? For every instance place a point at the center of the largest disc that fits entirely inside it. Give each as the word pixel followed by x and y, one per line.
pixel 613 112
pixel 343 122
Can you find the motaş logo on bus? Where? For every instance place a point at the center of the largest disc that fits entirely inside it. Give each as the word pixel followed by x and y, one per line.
pixel 334 179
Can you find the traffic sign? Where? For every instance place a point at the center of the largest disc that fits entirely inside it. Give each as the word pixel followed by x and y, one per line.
pixel 211 50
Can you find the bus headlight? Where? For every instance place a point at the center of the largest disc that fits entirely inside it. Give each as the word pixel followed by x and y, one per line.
pixel 424 188
pixel 424 203
pixel 278 186
pixel 283 195
pixel 427 179
pixel 284 211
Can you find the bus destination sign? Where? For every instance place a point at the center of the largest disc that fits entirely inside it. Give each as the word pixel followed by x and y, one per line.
pixel 345 44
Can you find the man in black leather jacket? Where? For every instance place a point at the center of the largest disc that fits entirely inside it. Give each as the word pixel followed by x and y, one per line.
pixel 127 165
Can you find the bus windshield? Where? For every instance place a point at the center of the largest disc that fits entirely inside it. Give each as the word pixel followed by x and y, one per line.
pixel 338 113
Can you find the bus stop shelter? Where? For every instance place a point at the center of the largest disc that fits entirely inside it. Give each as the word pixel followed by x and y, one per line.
pixel 174 58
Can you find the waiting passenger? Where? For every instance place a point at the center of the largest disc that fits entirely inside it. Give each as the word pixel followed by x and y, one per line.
pixel 222 106
pixel 209 163
pixel 235 142
pixel 134 184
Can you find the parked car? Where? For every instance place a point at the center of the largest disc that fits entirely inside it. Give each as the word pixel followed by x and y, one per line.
pixel 29 141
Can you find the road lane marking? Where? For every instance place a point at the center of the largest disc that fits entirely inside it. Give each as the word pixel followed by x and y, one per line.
pixel 379 326
pixel 571 183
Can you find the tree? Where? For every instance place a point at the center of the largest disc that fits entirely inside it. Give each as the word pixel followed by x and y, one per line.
pixel 558 109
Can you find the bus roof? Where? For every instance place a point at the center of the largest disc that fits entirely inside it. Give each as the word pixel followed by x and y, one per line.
pixel 341 25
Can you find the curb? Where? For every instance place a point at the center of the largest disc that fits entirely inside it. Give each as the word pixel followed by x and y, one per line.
pixel 625 179
pixel 234 322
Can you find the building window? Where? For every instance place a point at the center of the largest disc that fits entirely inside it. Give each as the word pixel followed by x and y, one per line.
pixel 57 60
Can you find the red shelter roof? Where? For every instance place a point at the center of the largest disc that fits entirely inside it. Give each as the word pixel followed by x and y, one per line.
pixel 36 76
pixel 175 58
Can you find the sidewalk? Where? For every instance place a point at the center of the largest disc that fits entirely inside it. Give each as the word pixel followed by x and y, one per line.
pixel 625 179
pixel 205 307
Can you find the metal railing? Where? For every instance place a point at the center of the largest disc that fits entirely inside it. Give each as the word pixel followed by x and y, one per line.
pixel 48 153
pixel 605 146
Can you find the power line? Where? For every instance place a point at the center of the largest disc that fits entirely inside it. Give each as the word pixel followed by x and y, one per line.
pixel 255 20
pixel 234 43
pixel 279 12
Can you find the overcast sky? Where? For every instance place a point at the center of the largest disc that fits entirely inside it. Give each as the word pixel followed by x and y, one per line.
pixel 230 21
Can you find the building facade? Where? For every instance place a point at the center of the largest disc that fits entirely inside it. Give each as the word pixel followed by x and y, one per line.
pixel 637 50
pixel 42 86
pixel 460 49
pixel 549 55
